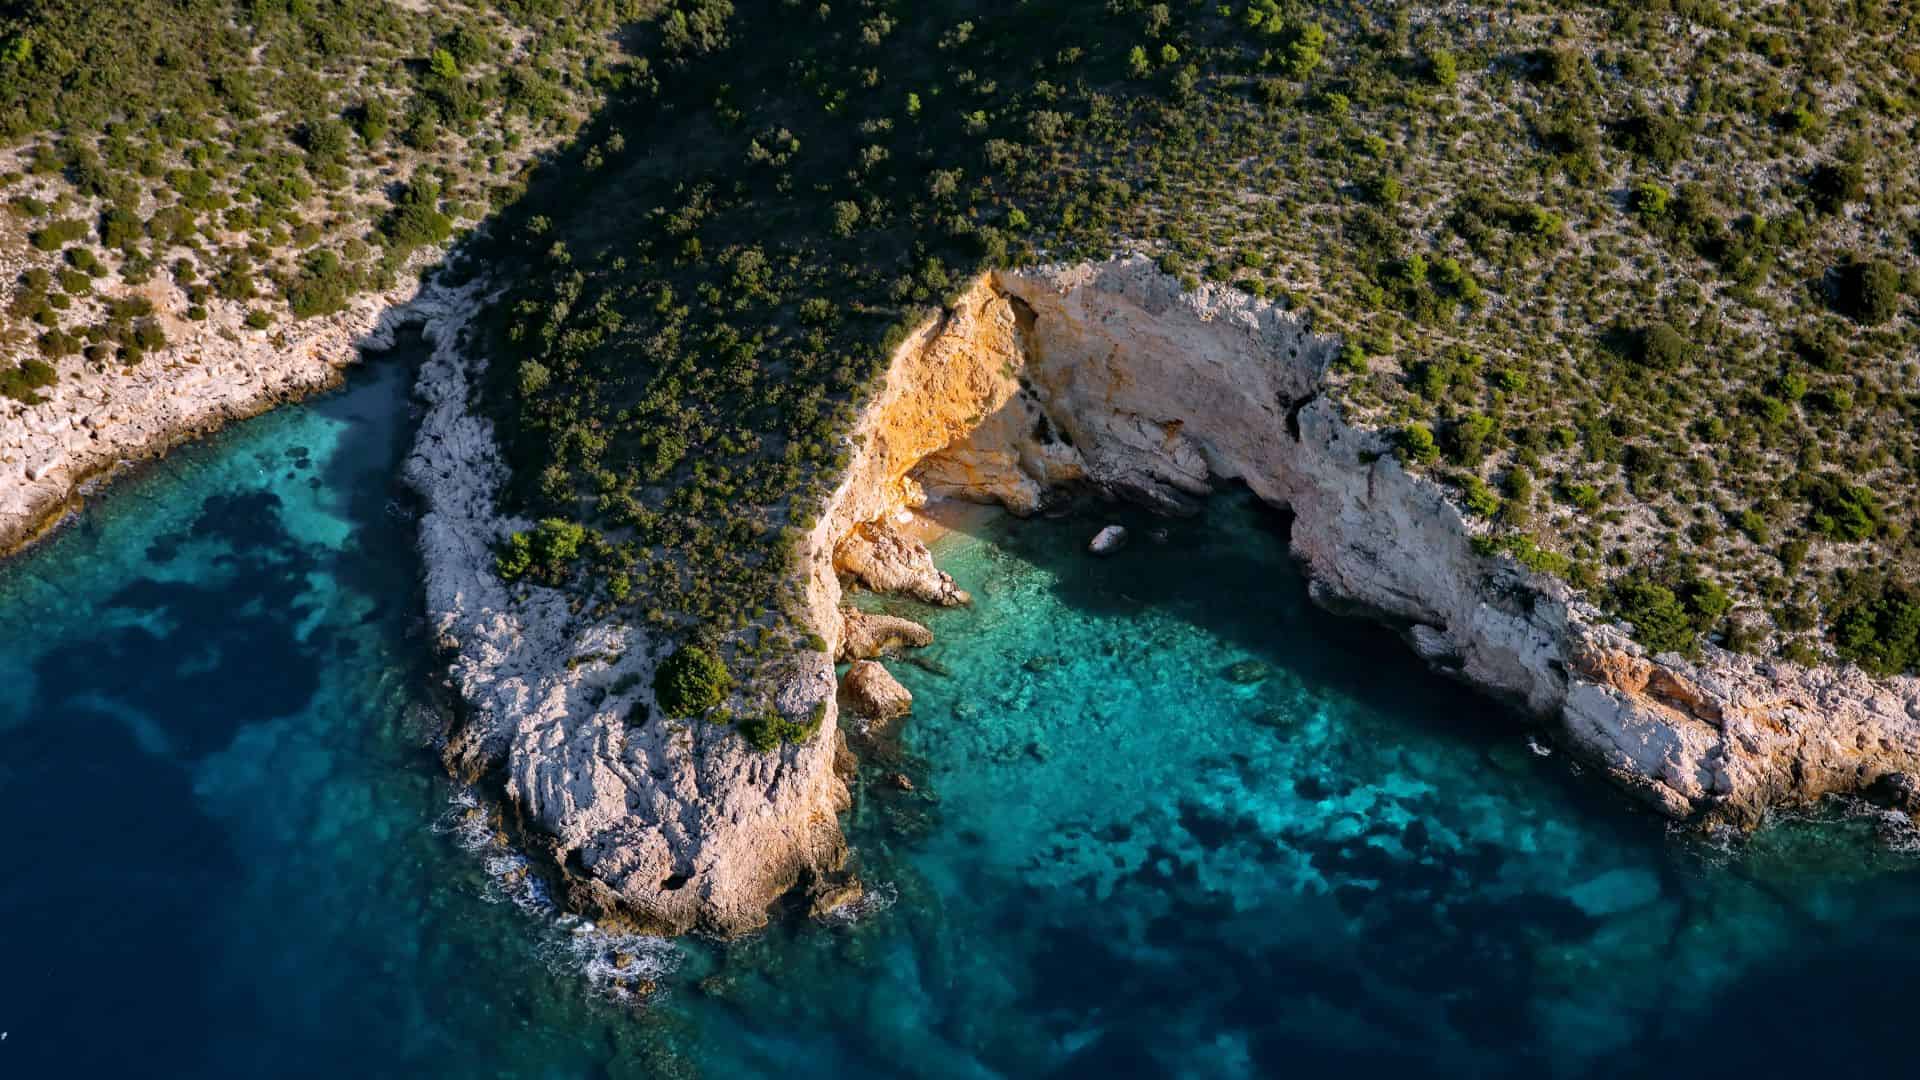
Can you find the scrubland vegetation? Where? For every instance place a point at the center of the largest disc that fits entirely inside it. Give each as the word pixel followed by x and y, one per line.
pixel 1635 277
pixel 284 155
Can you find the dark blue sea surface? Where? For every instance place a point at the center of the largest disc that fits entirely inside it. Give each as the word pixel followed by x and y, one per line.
pixel 1168 819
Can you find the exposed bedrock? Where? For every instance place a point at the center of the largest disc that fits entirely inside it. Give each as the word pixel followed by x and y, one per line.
pixel 866 635
pixel 1128 382
pixel 1108 376
pixel 673 825
pixel 880 557
pixel 873 694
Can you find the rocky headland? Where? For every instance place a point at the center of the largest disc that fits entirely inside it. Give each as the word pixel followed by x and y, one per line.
pixel 1106 376
pixel 1110 377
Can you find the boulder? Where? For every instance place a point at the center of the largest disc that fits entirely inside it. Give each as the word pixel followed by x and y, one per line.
pixel 836 896
pixel 874 694
pixel 1898 790
pixel 883 559
pixel 864 636
pixel 1108 540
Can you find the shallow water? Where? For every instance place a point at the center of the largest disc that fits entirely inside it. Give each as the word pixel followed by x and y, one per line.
pixel 232 852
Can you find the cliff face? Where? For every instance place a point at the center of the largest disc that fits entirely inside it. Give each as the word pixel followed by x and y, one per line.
pixel 1113 376
pixel 1164 391
pixel 677 825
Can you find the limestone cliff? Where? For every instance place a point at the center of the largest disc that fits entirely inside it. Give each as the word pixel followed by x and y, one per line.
pixel 1112 376
pixel 675 825
pixel 1162 392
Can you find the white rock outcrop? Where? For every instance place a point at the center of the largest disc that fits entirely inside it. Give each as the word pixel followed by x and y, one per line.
pixel 676 825
pixel 1164 391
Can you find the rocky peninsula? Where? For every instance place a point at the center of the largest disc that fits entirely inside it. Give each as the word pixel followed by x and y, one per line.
pixel 1110 376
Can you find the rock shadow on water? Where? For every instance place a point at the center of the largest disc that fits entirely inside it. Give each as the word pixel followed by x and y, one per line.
pixel 228 651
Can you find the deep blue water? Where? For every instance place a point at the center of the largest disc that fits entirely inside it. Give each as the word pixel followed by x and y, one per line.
pixel 1168 820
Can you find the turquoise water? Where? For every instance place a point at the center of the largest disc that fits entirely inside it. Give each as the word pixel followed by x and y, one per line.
pixel 1167 820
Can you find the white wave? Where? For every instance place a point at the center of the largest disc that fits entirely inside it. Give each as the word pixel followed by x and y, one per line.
pixel 876 899
pixel 616 966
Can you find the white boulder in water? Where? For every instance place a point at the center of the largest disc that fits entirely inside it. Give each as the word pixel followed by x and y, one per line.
pixel 1108 540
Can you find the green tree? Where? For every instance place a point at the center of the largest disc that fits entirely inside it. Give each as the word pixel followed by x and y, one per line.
pixel 1869 290
pixel 1137 64
pixel 1660 621
pixel 1417 444
pixel 691 681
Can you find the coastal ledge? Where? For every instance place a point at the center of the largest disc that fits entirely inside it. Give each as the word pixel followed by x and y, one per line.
pixel 96 420
pixel 1109 376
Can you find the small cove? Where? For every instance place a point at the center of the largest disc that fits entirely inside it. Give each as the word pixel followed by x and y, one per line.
pixel 1168 819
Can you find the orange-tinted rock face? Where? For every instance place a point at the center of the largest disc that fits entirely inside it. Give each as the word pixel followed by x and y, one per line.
pixel 1112 374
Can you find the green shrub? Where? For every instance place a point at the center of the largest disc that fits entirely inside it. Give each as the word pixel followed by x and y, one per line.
pixel 59 234
pixel 1479 498
pixel 416 218
pixel 691 681
pixel 1842 511
pixel 25 378
pixel 766 733
pixel 1468 439
pixel 1881 633
pixel 1649 201
pixel 1417 444
pixel 1661 346
pixel 1869 290
pixel 544 551
pixel 1660 621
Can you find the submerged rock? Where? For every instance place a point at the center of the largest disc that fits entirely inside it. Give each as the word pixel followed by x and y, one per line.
pixel 931 666
pixel 1898 790
pixel 837 896
pixel 874 694
pixel 1108 540
pixel 864 636
pixel 1248 672
pixel 1273 718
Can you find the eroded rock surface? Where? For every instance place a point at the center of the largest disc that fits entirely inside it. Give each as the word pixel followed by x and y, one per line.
pixel 885 560
pixel 1114 377
pixel 874 694
pixel 674 824
pixel 866 635
pixel 1164 391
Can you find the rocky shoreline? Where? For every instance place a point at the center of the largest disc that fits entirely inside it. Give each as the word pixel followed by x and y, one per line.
pixel 657 824
pixel 96 420
pixel 1163 393
pixel 1109 376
